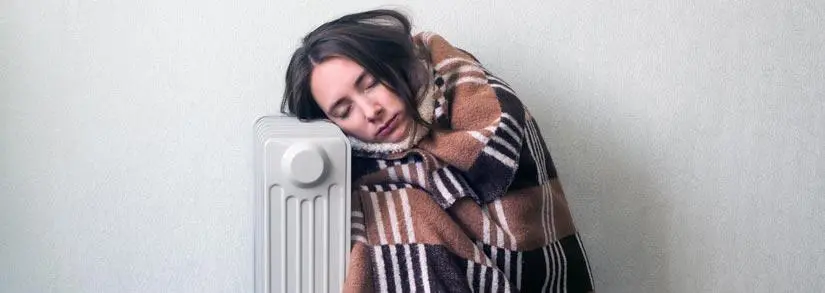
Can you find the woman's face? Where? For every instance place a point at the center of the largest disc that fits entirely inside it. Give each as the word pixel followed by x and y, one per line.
pixel 358 103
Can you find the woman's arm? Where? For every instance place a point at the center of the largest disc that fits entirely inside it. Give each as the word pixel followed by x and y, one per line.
pixel 484 129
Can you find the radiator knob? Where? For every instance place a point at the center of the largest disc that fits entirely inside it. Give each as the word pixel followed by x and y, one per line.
pixel 304 164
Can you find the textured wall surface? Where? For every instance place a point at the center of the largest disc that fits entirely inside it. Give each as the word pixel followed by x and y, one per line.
pixel 689 137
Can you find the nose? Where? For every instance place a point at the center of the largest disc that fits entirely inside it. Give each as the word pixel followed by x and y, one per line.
pixel 372 111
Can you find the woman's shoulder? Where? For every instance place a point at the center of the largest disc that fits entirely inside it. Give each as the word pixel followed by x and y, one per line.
pixel 442 56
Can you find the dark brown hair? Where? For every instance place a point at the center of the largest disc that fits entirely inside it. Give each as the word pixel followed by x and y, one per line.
pixel 378 40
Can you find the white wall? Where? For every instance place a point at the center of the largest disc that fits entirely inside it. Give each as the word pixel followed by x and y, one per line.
pixel 689 137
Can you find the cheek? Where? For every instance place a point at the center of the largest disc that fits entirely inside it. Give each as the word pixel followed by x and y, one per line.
pixel 346 125
pixel 354 125
pixel 391 100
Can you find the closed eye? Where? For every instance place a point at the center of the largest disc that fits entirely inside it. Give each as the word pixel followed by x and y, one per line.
pixel 369 81
pixel 342 111
pixel 372 83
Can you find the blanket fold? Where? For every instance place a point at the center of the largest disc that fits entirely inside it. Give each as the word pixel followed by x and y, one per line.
pixel 474 206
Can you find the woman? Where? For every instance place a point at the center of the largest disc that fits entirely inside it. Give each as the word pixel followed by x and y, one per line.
pixel 455 191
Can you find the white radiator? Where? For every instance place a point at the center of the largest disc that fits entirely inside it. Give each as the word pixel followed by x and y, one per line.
pixel 302 203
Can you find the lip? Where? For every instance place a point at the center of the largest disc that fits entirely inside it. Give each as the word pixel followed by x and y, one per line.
pixel 388 127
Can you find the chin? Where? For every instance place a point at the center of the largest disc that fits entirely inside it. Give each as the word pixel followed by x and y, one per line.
pixel 397 140
pixel 402 134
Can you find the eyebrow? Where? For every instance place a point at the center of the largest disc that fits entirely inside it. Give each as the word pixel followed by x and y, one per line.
pixel 340 100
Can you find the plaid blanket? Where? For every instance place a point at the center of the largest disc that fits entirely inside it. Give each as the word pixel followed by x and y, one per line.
pixel 474 206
